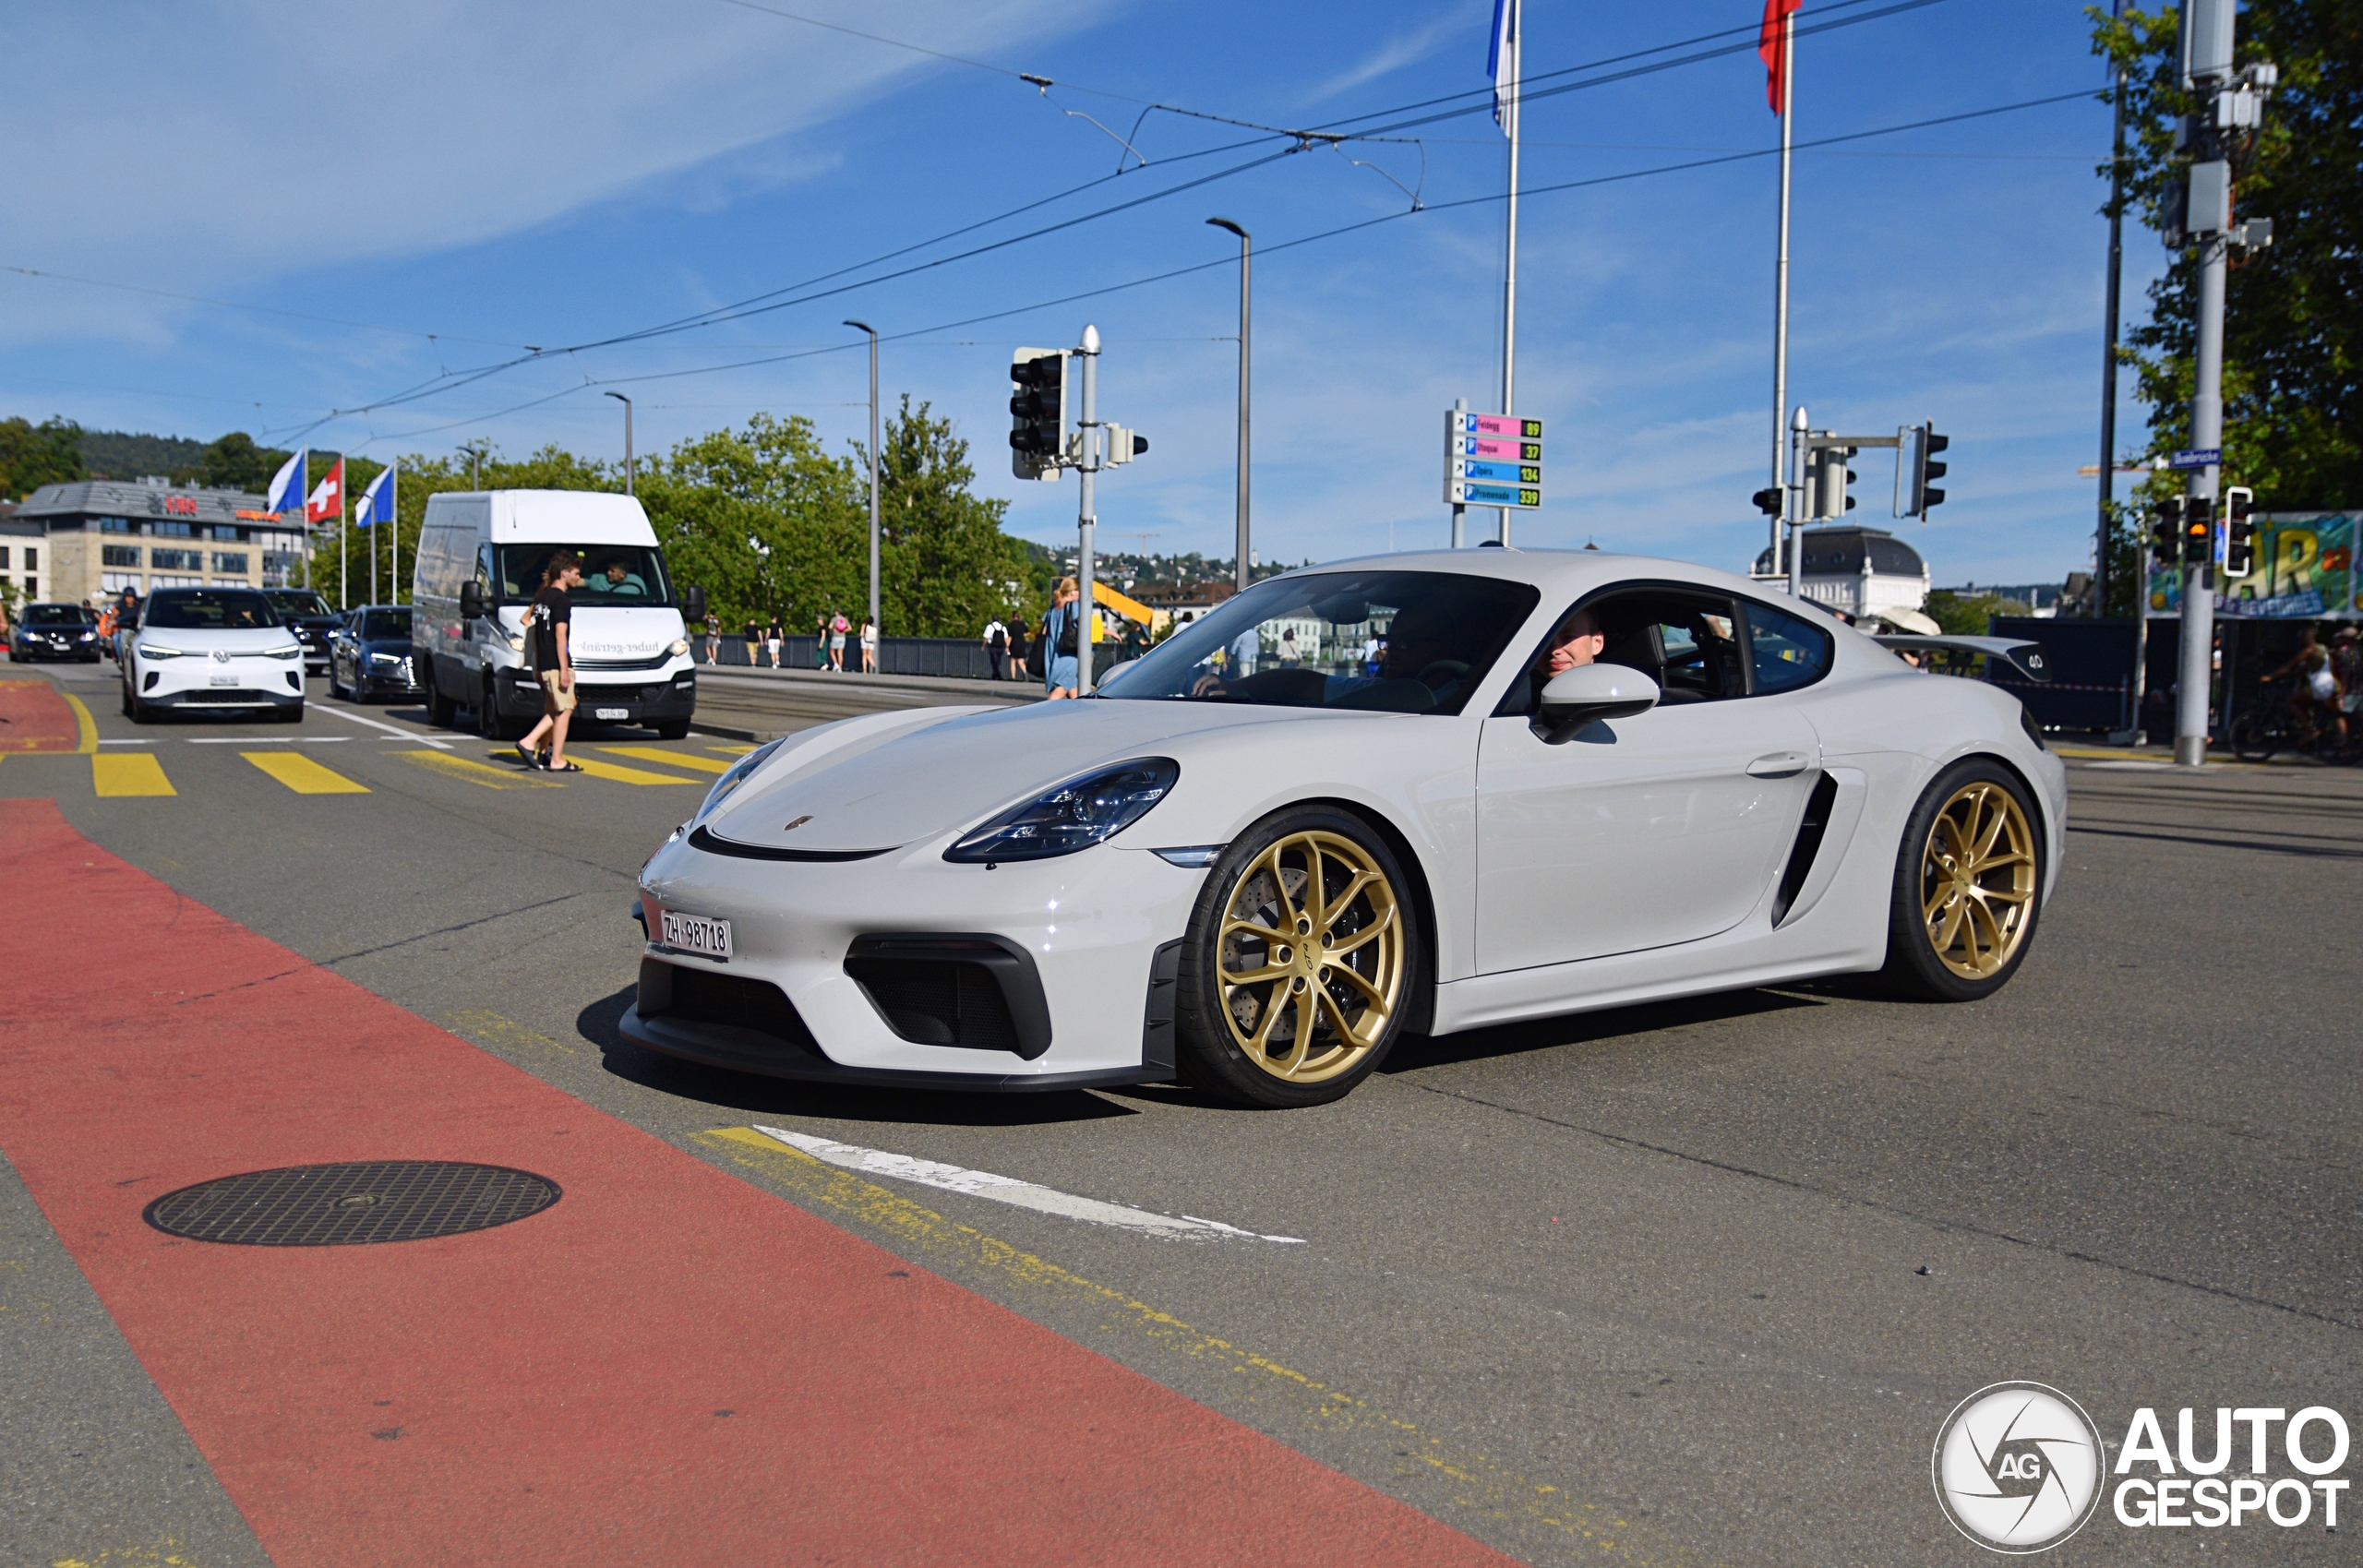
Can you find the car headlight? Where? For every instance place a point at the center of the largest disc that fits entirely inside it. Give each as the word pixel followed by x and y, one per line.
pixel 681 646
pixel 157 651
pixel 517 643
pixel 387 659
pixel 86 637
pixel 1076 814
pixel 295 652
pixel 736 774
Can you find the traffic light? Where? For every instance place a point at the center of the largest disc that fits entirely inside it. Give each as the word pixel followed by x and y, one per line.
pixel 1124 445
pixel 2239 532
pixel 1830 478
pixel 1037 413
pixel 1925 468
pixel 2198 531
pixel 1769 500
pixel 2166 532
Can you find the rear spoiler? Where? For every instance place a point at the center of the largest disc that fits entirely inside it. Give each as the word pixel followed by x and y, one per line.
pixel 2027 658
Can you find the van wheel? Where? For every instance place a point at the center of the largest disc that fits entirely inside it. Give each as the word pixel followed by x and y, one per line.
pixel 442 712
pixel 490 723
pixel 672 729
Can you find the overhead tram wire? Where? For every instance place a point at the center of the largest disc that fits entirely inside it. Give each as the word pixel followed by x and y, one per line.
pixel 1300 139
pixel 1275 246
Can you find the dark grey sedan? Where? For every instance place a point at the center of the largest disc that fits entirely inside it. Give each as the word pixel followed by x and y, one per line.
pixel 370 657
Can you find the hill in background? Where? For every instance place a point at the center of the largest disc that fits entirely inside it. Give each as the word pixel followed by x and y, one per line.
pixel 118 454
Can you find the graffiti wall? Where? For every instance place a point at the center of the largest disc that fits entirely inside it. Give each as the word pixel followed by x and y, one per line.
pixel 2304 570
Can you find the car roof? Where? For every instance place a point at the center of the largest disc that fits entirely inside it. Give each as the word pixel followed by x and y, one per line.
pixel 1568 573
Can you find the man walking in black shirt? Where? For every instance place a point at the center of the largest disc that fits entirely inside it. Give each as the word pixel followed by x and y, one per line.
pixel 548 622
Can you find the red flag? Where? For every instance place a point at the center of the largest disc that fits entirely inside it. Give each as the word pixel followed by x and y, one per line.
pixel 1768 44
pixel 326 503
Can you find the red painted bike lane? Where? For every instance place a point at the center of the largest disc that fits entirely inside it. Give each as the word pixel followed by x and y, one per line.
pixel 668 1365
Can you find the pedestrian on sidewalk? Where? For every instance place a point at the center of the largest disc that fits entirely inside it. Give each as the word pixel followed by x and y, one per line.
pixel 1061 642
pixel 713 638
pixel 754 643
pixel 548 622
pixel 820 642
pixel 837 630
pixel 868 646
pixel 997 648
pixel 776 638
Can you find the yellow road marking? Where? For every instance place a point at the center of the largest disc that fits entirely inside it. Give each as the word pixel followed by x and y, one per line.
pixel 122 774
pixel 615 774
pixel 672 759
pixel 1471 1480
pixel 731 751
pixel 87 724
pixel 493 1028
pixel 302 774
pixel 482 773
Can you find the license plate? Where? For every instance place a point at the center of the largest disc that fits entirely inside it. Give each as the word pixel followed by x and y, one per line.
pixel 221 680
pixel 611 712
pixel 699 934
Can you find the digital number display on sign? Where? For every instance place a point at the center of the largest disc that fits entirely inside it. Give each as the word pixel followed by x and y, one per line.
pixel 1492 459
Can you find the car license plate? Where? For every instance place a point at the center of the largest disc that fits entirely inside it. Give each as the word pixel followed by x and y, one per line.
pixel 611 712
pixel 698 934
pixel 221 680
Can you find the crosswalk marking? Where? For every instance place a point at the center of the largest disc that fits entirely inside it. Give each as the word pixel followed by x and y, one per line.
pixel 482 773
pixel 302 774
pixel 615 774
pixel 671 759
pixel 128 772
pixel 731 751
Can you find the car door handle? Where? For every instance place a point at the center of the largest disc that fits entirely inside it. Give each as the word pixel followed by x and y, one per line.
pixel 1779 765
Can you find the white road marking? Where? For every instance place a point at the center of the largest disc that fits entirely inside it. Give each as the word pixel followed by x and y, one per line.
pixel 264 739
pixel 140 742
pixel 378 724
pixel 1009 1189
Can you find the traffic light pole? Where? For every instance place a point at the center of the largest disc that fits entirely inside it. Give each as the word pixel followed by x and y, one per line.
pixel 2198 583
pixel 1086 470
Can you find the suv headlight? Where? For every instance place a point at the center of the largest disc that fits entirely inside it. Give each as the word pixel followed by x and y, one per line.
pixel 295 652
pixel 157 651
pixel 1076 814
pixel 737 774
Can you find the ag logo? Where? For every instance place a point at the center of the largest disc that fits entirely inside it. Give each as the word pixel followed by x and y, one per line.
pixel 2018 1467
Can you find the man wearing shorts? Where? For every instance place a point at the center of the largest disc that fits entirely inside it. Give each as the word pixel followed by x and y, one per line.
pixel 548 623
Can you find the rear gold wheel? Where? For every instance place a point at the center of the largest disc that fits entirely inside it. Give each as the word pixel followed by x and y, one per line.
pixel 1299 962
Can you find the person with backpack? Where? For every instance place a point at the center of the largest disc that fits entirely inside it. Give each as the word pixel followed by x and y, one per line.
pixel 548 622
pixel 1063 639
pixel 997 648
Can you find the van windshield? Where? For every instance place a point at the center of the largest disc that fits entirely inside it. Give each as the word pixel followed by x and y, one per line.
pixel 612 574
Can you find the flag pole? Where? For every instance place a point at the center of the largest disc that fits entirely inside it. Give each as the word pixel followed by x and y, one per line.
pixel 1781 289
pixel 373 553
pixel 1509 271
pixel 394 544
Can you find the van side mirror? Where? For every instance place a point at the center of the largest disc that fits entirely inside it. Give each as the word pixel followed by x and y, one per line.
pixel 472 604
pixel 693 602
pixel 1589 693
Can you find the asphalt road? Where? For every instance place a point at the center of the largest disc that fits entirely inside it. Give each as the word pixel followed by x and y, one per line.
pixel 1687 1282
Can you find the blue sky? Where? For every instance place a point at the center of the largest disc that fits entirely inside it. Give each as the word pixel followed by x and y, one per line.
pixel 546 174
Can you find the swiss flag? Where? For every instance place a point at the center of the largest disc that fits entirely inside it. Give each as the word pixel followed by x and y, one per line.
pixel 327 501
pixel 1768 47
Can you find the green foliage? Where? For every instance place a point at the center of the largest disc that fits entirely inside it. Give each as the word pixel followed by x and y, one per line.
pixel 233 462
pixel 119 454
pixel 715 498
pixel 34 455
pixel 1968 615
pixel 2293 341
pixel 945 567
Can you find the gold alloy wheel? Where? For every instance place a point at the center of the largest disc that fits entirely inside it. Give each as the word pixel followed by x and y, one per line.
pixel 1977 880
pixel 1310 957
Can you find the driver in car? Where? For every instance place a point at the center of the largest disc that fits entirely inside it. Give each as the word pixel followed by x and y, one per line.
pixel 1576 641
pixel 622 580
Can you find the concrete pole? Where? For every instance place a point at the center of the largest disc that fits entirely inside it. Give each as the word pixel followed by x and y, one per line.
pixel 1240 575
pixel 1087 519
pixel 2198 584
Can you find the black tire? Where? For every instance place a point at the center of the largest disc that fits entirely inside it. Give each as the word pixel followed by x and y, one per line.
pixel 442 712
pixel 2003 899
pixel 1209 1022
pixel 290 715
pixel 139 713
pixel 129 702
pixel 672 729
pixel 490 723
pixel 2253 739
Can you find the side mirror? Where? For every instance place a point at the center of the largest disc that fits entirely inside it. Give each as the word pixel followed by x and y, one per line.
pixel 471 605
pixel 1589 693
pixel 693 602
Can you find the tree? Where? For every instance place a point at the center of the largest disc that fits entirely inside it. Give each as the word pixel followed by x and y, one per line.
pixel 714 499
pixel 2293 341
pixel 34 455
pixel 944 565
pixel 233 462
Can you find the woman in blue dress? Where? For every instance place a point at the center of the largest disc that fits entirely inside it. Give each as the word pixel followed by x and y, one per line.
pixel 1061 632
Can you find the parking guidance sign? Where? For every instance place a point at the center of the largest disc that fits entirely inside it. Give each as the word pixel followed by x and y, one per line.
pixel 1491 460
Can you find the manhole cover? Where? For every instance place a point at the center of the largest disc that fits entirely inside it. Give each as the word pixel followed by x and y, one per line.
pixel 352 1206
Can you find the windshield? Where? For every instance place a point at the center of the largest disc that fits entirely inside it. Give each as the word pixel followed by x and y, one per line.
pixel 299 601
pixel 385 626
pixel 612 574
pixel 1393 641
pixel 205 609
pixel 55 615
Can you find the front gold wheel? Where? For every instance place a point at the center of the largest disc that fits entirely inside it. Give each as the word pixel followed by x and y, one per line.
pixel 1310 957
pixel 1977 880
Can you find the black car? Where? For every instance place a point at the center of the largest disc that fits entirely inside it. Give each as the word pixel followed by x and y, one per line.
pixel 54 632
pixel 370 655
pixel 307 615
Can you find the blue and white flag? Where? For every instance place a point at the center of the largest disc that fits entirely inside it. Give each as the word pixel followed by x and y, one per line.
pixel 290 483
pixel 376 502
pixel 1504 29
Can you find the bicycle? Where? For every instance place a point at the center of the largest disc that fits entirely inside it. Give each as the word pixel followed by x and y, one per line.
pixel 2272 725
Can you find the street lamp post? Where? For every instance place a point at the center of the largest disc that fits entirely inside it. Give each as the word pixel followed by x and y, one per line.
pixel 865 326
pixel 628 462
pixel 1240 574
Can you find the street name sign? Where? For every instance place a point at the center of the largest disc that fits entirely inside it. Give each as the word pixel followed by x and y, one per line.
pixel 2198 457
pixel 1491 460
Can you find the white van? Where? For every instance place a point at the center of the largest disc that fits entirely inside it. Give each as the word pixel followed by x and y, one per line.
pixel 479 564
